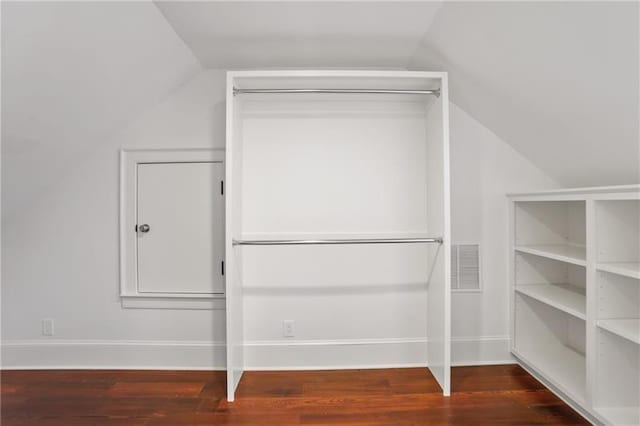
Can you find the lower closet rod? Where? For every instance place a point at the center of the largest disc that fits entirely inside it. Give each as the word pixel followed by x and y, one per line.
pixel 437 240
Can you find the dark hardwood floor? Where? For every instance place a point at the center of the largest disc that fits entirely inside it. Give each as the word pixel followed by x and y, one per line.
pixel 482 396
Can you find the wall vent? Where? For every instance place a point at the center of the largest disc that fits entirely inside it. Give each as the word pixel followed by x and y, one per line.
pixel 465 267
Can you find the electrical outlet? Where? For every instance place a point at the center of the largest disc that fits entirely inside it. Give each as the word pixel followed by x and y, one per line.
pixel 47 327
pixel 288 328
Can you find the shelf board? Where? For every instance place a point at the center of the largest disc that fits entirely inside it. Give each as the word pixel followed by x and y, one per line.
pixel 626 328
pixel 619 415
pixel 562 252
pixel 627 269
pixel 561 366
pixel 564 297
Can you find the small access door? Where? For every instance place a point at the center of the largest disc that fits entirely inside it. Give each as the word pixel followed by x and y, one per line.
pixel 180 227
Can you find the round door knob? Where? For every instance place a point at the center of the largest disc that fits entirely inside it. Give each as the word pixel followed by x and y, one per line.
pixel 144 228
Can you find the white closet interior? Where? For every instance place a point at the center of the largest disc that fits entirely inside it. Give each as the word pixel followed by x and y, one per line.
pixel 329 188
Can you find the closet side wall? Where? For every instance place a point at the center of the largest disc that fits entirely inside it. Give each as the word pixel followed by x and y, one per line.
pixel 233 229
pixel 439 286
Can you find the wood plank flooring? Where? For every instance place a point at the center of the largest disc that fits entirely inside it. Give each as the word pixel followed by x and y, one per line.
pixel 492 395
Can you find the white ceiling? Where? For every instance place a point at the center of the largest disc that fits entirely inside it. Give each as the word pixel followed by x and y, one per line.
pixel 559 81
pixel 320 34
pixel 556 80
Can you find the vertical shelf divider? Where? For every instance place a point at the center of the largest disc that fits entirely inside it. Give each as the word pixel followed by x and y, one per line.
pixel 592 297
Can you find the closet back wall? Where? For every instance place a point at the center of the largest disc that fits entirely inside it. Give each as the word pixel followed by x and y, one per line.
pixel 60 261
pixel 318 166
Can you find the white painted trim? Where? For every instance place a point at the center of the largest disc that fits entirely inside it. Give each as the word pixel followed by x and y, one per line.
pixel 356 366
pixel 400 74
pixel 336 342
pixel 129 160
pixel 371 353
pixel 511 271
pixel 485 350
pixel 113 354
pixel 444 92
pixel 630 195
pixel 585 412
pixel 358 354
pixel 584 191
pixel 260 355
pixel 233 284
pixel 335 354
pixel 173 301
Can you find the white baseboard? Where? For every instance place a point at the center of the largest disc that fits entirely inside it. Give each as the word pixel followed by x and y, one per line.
pixel 486 350
pixel 113 354
pixel 259 355
pixel 335 354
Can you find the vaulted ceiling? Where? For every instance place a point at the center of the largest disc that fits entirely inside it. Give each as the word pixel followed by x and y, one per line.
pixel 557 81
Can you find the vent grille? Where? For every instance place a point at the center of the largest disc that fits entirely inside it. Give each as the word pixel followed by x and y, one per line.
pixel 465 267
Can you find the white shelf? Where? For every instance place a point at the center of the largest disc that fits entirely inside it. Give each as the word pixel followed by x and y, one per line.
pixel 629 416
pixel 561 366
pixel 564 297
pixel 626 328
pixel 627 269
pixel 564 252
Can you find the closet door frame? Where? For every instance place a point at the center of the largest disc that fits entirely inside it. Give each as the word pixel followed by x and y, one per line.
pixel 129 293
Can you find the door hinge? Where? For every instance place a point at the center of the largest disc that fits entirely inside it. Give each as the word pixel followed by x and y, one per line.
pixel 222 267
pixel 136 228
pixel 221 187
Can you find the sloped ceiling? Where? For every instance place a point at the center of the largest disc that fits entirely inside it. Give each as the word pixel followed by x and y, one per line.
pixel 558 81
pixel 319 34
pixel 73 74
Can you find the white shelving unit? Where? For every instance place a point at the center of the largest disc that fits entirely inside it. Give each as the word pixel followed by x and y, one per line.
pixel 575 293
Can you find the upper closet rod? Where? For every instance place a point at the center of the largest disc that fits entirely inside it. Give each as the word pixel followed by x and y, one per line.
pixel 437 240
pixel 435 92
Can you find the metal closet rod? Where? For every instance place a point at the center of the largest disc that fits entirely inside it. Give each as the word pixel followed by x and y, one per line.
pixel 435 92
pixel 437 240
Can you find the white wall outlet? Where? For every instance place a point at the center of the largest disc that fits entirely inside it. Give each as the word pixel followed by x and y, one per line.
pixel 47 327
pixel 288 328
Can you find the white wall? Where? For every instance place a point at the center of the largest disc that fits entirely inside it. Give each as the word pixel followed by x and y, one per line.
pixel 483 169
pixel 60 256
pixel 60 260
pixel 73 74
